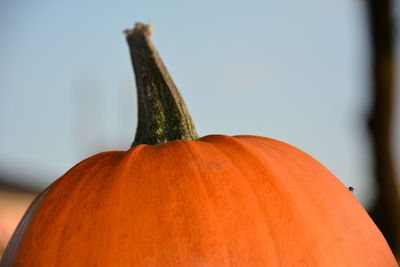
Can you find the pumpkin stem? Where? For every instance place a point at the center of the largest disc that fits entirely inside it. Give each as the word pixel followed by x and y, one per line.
pixel 163 115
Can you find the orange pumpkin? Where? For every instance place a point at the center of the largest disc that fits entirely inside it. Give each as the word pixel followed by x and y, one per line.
pixel 214 201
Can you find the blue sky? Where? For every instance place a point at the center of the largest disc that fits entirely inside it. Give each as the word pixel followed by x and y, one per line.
pixel 291 70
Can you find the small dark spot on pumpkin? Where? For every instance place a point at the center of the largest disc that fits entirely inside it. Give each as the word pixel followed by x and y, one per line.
pixel 351 189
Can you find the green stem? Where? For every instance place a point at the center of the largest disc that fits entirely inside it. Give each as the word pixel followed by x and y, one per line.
pixel 163 115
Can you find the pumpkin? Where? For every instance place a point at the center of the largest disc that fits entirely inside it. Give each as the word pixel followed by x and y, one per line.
pixel 173 199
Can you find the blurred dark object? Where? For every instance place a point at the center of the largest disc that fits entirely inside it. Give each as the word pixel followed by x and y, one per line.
pixel 6 185
pixel 386 209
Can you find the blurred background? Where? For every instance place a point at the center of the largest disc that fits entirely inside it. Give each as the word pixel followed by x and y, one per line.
pixel 296 71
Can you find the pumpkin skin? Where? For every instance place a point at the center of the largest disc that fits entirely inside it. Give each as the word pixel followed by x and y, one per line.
pixel 218 201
